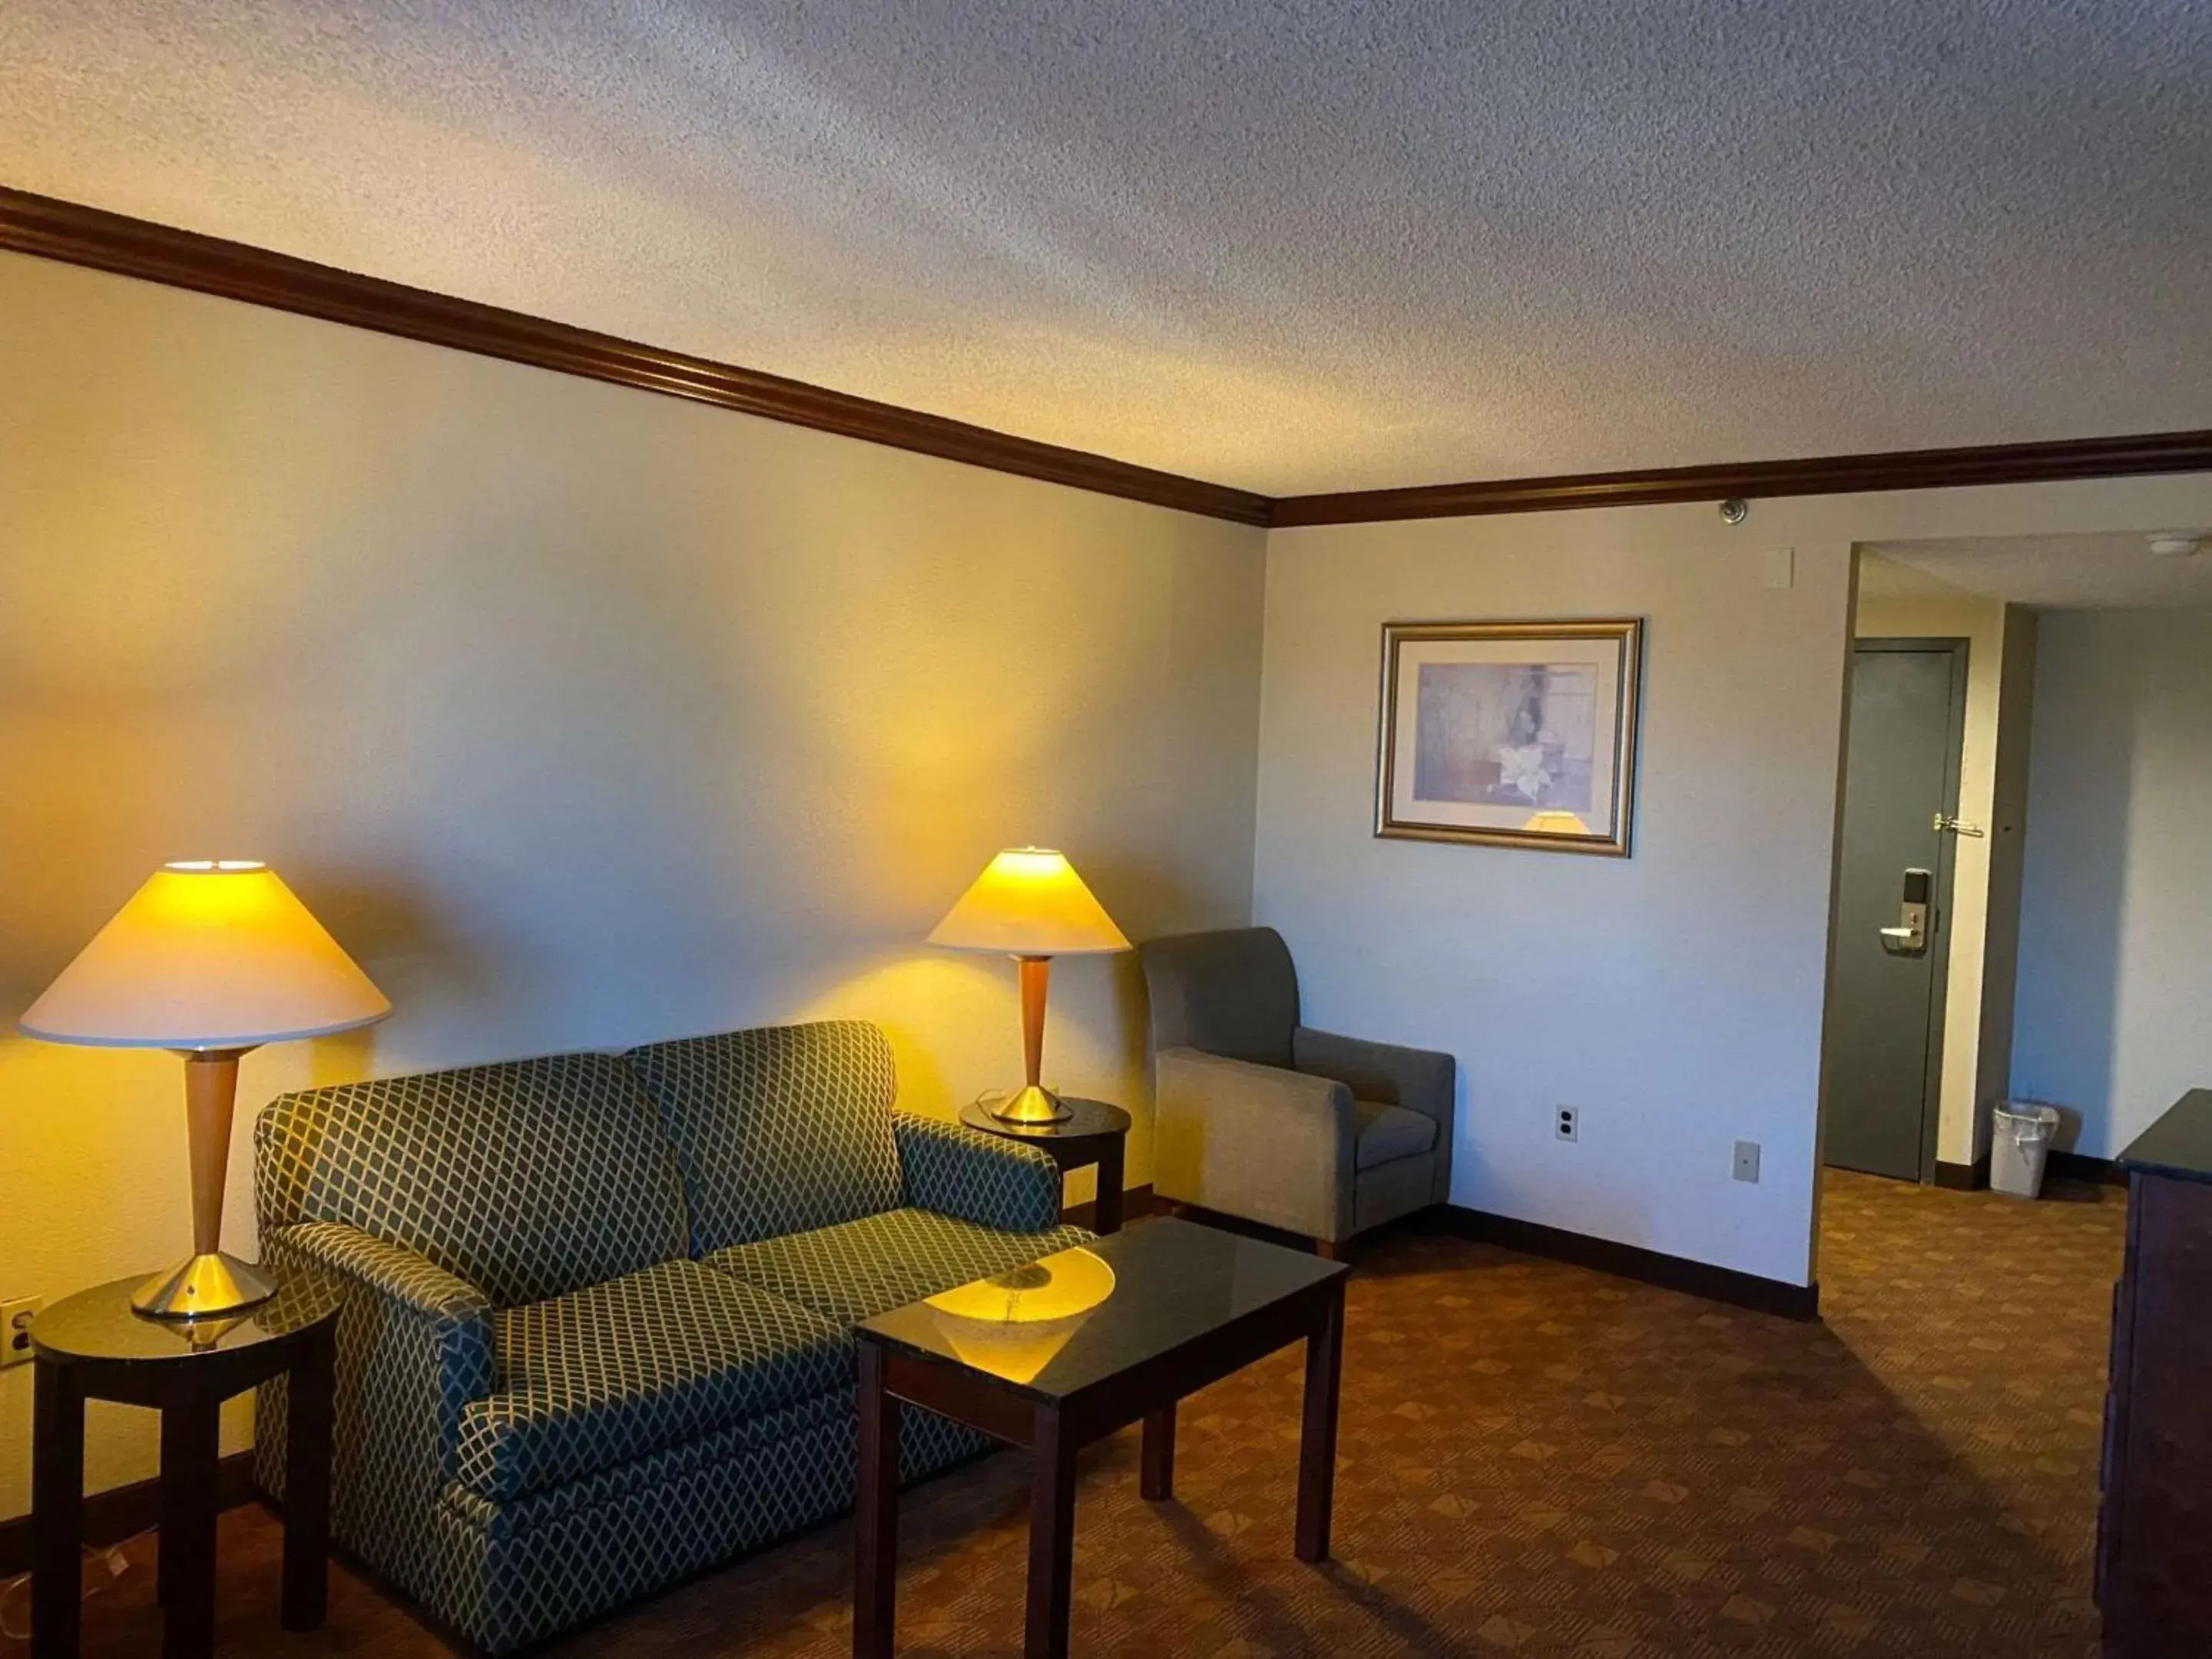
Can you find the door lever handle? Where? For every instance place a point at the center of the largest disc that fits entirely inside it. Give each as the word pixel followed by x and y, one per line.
pixel 1957 826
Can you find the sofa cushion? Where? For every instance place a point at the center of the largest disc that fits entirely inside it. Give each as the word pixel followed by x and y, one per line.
pixel 526 1179
pixel 1382 1134
pixel 599 1377
pixel 778 1129
pixel 862 1268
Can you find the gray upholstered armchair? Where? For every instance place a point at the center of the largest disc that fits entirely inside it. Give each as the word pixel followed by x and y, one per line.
pixel 1260 1117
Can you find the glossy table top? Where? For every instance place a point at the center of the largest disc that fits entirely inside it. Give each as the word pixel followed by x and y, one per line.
pixel 1085 1315
pixel 100 1324
pixel 2179 1144
pixel 1085 1118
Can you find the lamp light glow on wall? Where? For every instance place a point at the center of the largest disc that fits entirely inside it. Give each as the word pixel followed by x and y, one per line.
pixel 1029 904
pixel 211 959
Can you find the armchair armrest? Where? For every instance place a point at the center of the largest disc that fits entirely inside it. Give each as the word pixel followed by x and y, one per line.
pixel 959 1171
pixel 1255 1141
pixel 1419 1078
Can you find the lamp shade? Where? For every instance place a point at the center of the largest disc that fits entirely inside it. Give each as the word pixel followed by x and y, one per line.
pixel 213 954
pixel 1028 901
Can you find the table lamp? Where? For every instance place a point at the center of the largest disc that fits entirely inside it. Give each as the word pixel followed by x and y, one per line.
pixel 1030 904
pixel 210 959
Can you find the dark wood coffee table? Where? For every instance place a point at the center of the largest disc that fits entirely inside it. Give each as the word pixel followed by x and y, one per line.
pixel 1055 1356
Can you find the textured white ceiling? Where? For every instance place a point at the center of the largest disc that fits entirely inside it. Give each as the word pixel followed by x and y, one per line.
pixel 1293 245
pixel 2115 572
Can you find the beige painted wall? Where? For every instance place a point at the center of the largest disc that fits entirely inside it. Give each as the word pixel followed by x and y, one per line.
pixel 2115 981
pixel 582 717
pixel 1676 997
pixel 1984 933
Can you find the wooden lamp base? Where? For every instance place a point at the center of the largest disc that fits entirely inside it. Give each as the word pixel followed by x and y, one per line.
pixel 210 1283
pixel 1034 1104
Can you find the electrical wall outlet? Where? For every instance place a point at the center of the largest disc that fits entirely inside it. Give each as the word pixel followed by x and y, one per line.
pixel 1746 1160
pixel 1568 1125
pixel 15 1319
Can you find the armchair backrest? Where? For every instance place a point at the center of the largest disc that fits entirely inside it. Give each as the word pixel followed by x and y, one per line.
pixel 778 1129
pixel 1232 992
pixel 528 1179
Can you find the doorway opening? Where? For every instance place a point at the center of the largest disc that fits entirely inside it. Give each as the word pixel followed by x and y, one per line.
pixel 1937 763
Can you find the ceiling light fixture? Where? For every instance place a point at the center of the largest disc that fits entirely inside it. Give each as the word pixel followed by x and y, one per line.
pixel 2175 545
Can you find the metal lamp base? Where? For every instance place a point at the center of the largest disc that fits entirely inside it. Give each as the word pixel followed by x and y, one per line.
pixel 1034 1104
pixel 212 1285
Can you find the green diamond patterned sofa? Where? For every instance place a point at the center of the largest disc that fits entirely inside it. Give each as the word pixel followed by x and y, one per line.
pixel 596 1334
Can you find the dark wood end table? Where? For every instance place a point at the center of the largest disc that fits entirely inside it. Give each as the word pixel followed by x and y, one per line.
pixel 1055 1356
pixel 93 1346
pixel 1092 1133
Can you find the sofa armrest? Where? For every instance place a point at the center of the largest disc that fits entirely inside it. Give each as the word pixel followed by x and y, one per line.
pixel 414 1343
pixel 962 1172
pixel 1255 1141
pixel 418 1285
pixel 1418 1079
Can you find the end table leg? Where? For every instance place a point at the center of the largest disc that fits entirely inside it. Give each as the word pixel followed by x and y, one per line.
pixel 57 1511
pixel 1155 1461
pixel 190 1438
pixel 1317 1442
pixel 308 1421
pixel 1111 1163
pixel 875 1521
pixel 1052 1537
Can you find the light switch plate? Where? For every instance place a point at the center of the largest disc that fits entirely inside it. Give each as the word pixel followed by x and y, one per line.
pixel 1778 568
pixel 1746 1160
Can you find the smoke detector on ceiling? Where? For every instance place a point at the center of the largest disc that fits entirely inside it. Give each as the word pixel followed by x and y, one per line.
pixel 2175 545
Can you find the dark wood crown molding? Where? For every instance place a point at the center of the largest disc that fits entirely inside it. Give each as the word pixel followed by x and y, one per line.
pixel 182 258
pixel 83 235
pixel 1829 475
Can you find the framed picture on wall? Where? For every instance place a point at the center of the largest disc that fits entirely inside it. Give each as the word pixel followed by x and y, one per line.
pixel 1512 734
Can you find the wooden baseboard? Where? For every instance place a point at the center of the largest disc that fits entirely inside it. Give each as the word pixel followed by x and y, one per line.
pixel 2079 1166
pixel 1672 1272
pixel 1964 1178
pixel 1136 1205
pixel 122 1512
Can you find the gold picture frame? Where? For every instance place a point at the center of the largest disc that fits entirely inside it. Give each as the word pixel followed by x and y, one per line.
pixel 1510 733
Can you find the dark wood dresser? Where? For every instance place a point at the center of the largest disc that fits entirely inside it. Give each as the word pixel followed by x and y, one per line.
pixel 2154 1523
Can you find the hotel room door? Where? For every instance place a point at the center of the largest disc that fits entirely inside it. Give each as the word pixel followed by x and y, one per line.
pixel 1892 903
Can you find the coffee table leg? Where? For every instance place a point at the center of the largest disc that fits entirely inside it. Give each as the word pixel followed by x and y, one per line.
pixel 1110 1163
pixel 1052 1537
pixel 1156 1462
pixel 876 1512
pixel 1317 1442
pixel 57 1511
pixel 307 1424
pixel 190 1438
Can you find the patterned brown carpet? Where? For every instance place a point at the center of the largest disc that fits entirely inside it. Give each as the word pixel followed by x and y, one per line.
pixel 1537 1459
